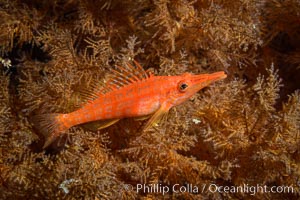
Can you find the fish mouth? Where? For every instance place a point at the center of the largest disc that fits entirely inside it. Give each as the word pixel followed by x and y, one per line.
pixel 217 76
pixel 203 80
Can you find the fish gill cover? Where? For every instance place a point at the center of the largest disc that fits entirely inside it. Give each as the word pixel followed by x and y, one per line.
pixel 237 139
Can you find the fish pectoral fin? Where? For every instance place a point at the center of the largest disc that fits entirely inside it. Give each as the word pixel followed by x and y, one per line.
pixel 158 115
pixel 100 124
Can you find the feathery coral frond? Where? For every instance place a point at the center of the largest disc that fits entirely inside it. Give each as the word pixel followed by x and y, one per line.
pixel 243 131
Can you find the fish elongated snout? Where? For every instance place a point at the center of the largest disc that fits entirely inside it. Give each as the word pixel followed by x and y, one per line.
pixel 202 80
pixel 217 76
pixel 206 79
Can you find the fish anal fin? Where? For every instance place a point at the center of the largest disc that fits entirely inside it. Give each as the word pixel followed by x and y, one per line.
pixel 142 118
pixel 158 115
pixel 100 124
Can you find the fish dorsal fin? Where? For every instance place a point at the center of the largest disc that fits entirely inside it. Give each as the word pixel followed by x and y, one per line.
pixel 118 77
pixel 125 75
pixel 91 93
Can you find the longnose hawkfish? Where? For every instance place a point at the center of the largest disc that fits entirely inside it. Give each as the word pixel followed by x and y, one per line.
pixel 131 92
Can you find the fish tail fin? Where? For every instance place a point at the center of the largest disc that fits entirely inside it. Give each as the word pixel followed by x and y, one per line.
pixel 50 126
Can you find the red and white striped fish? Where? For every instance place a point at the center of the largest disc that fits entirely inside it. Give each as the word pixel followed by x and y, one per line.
pixel 131 92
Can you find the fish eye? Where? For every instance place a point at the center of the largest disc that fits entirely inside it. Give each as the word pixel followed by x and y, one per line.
pixel 182 86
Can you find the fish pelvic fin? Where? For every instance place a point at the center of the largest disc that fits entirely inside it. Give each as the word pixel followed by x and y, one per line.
pixel 50 126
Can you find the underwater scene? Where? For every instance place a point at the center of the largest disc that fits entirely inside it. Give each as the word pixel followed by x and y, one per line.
pixel 150 99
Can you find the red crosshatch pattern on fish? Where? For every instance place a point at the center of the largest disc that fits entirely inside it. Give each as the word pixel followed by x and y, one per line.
pixel 130 92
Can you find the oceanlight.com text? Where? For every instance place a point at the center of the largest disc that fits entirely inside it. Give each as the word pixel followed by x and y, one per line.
pixel 252 190
pixel 208 188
